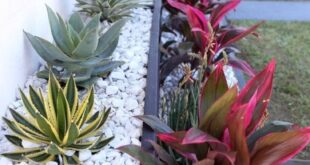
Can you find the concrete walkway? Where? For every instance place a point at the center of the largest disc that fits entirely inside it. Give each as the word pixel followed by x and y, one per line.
pixel 272 10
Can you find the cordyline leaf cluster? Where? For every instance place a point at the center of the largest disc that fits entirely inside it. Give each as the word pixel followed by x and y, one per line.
pixel 80 49
pixel 232 127
pixel 203 35
pixel 57 124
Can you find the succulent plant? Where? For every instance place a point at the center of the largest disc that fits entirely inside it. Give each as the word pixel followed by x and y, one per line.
pixel 79 49
pixel 111 10
pixel 58 124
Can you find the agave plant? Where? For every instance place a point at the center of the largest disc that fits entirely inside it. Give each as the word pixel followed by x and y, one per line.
pixel 58 124
pixel 231 128
pixel 79 49
pixel 111 10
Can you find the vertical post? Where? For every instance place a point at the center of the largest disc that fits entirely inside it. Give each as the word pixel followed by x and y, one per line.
pixel 151 106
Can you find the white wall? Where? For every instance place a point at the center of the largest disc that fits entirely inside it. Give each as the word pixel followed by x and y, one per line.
pixel 17 58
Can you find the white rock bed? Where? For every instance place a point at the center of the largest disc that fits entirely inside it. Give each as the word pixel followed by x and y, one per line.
pixel 123 91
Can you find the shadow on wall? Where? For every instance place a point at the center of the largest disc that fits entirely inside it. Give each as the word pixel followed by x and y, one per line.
pixel 18 59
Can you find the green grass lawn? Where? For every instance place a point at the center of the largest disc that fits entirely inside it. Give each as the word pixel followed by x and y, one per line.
pixel 289 44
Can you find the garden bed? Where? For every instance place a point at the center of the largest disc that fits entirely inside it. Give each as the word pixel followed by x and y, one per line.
pixel 122 90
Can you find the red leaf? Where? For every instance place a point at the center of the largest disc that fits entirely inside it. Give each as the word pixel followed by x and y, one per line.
pixel 277 148
pixel 222 158
pixel 231 35
pixel 196 136
pixel 174 140
pixel 242 65
pixel 262 83
pixel 178 5
pixel 219 12
pixel 198 20
pixel 239 119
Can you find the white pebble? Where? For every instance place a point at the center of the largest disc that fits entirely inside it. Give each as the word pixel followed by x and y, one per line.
pixel 51 163
pixel 117 75
pixel 84 155
pixel 111 90
pixel 27 144
pixel 131 104
pixel 5 161
pixel 101 83
pixel 69 152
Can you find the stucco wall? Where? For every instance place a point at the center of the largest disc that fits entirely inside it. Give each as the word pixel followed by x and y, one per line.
pixel 17 58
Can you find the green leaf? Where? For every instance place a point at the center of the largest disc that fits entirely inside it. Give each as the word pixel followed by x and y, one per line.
pixel 71 135
pixel 59 32
pixel 37 101
pixel 14 140
pixel 144 157
pixel 212 90
pixel 76 22
pixel 214 120
pixel 87 45
pixel 110 36
pixel 74 35
pixel 47 128
pixel 92 24
pixel 23 121
pixel 54 149
pixel 101 144
pixel 18 155
pixel 71 94
pixel 50 53
pixel 156 124
pixel 40 157
pixel 106 68
pixel 63 114
pixel 29 107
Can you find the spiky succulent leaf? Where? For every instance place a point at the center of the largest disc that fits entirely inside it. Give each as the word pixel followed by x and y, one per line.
pixel 57 123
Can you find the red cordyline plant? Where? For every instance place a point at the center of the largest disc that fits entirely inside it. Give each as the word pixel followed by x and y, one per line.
pixel 210 40
pixel 231 128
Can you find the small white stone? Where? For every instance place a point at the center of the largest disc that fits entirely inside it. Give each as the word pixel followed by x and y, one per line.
pixel 51 163
pixel 69 152
pixel 27 144
pixel 5 161
pixel 84 155
pixel 131 104
pixel 101 83
pixel 118 102
pixel 22 163
pixel 135 141
pixel 111 90
pixel 117 75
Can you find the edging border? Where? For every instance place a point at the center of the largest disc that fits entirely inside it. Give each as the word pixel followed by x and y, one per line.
pixel 151 106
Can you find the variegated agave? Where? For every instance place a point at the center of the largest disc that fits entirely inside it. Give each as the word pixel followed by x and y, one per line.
pixel 111 10
pixel 58 124
pixel 79 49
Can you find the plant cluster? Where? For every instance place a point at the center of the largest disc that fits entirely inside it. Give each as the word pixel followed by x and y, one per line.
pixel 217 125
pixel 109 10
pixel 82 50
pixel 204 41
pixel 58 124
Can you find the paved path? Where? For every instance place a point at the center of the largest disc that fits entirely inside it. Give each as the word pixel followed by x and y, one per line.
pixel 272 10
